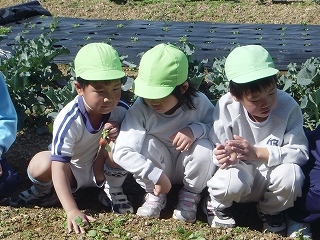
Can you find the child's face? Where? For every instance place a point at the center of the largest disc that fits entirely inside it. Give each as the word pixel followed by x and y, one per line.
pixel 162 105
pixel 102 98
pixel 260 104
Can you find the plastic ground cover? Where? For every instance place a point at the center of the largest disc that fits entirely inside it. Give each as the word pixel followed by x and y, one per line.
pixel 287 43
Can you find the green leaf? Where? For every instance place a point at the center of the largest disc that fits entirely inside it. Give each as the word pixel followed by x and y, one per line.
pixel 78 221
pixel 92 233
pixel 312 107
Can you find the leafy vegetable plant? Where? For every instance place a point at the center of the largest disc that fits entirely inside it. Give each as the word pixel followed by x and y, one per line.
pixel 33 78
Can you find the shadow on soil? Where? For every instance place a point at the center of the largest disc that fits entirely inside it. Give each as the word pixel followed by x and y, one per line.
pixel 245 214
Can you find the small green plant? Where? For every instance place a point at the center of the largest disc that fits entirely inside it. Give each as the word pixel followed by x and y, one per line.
pixel 196 236
pixel 166 29
pixel 134 39
pixel 95 230
pixel 154 231
pixel 240 229
pixel 54 24
pixel 186 234
pixel 5 30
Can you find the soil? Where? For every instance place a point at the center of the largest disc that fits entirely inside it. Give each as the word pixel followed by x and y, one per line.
pixel 49 223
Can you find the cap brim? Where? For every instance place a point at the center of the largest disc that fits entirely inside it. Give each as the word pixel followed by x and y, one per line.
pixel 102 75
pixel 142 90
pixel 255 75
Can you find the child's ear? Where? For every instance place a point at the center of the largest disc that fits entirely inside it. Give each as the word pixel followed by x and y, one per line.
pixel 184 87
pixel 78 88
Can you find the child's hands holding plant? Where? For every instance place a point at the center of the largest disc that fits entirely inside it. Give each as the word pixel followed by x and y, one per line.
pixel 109 134
pixel 113 129
pixel 246 151
pixel 225 155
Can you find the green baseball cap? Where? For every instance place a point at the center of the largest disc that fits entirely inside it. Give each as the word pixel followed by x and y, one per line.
pixel 98 61
pixel 161 69
pixel 249 63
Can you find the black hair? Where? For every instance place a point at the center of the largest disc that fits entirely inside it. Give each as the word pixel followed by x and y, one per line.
pixel 185 99
pixel 239 89
pixel 83 83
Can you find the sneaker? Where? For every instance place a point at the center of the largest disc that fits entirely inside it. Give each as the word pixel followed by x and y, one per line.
pixel 31 196
pixel 187 206
pixel 218 218
pixel 298 230
pixel 115 198
pixel 273 223
pixel 152 206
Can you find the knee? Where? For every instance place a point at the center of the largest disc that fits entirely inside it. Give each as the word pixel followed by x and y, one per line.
pixel 231 181
pixel 288 176
pixel 40 165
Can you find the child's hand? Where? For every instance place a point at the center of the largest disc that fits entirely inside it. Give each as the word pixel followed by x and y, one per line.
pixel 183 139
pixel 163 185
pixel 73 219
pixel 224 155
pixel 243 149
pixel 113 132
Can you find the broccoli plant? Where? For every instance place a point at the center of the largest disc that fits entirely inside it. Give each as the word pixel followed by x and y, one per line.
pixel 30 74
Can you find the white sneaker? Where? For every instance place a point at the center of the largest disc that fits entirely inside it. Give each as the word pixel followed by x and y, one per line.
pixel 218 218
pixel 187 206
pixel 152 206
pixel 115 198
pixel 296 229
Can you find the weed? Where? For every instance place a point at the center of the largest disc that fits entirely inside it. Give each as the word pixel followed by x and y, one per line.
pixel 5 30
pixel 134 39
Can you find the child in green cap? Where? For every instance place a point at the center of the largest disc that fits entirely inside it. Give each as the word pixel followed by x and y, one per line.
pixel 260 143
pixel 163 138
pixel 76 160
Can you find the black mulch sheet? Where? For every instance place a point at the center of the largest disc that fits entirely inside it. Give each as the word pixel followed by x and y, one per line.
pixel 287 43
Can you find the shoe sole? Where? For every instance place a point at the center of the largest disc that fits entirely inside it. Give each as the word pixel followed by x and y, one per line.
pixel 181 218
pixel 215 223
pixel 147 215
